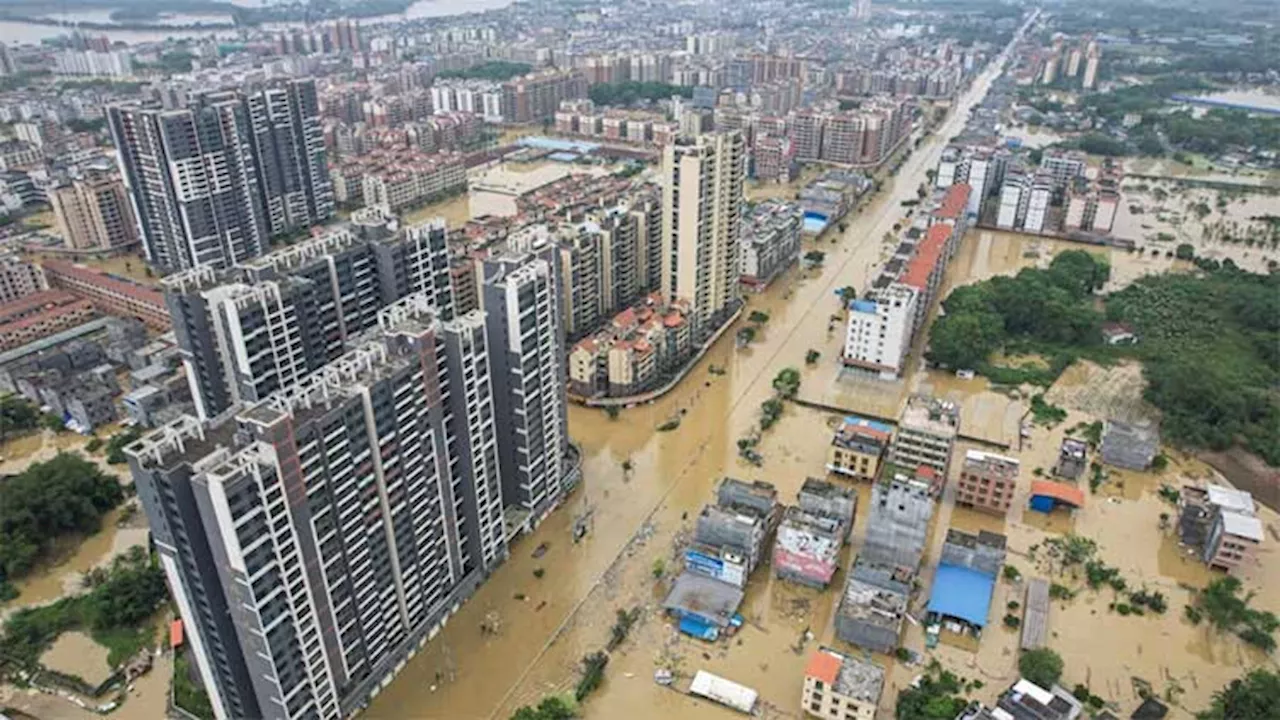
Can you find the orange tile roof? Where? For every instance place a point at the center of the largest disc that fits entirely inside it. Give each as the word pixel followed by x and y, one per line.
pixel 921 266
pixel 1058 491
pixel 954 201
pixel 673 320
pixel 100 279
pixel 823 666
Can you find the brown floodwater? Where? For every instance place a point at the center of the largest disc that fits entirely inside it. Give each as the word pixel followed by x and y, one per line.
pixel 72 557
pixel 642 515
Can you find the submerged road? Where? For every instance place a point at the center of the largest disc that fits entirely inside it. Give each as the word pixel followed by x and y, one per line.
pixel 640 487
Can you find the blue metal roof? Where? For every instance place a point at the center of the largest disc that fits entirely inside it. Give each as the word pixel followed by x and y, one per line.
pixel 863 306
pixel 962 593
pixel 546 143
pixel 867 422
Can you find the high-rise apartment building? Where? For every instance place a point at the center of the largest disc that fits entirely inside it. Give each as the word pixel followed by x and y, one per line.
pixel 251 330
pixel 317 540
pixel 93 212
pixel 213 181
pixel 527 355
pixel 702 199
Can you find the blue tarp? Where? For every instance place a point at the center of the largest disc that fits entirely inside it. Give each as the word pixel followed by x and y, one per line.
pixel 962 593
pixel 692 626
pixel 1043 503
pixel 813 225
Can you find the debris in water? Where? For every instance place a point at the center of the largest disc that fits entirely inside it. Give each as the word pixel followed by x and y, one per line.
pixel 540 550
pixel 662 676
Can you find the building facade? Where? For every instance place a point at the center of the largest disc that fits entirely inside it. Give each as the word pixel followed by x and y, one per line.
pixel 527 353
pixel 249 331
pixel 213 181
pixel 702 225
pixel 94 213
pixel 987 481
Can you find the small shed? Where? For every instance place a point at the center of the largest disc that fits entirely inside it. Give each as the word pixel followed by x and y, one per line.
pixel 1047 495
pixel 175 634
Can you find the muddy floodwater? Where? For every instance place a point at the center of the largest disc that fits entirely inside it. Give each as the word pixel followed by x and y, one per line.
pixel 642 489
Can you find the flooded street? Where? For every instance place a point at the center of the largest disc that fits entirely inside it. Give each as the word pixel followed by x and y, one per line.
pixel 643 488
pixel 638 514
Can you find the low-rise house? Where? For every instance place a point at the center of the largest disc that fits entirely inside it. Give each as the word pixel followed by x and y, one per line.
pixel 840 686
pixel 1129 446
pixel 857 447
pixel 987 481
pixel 1220 523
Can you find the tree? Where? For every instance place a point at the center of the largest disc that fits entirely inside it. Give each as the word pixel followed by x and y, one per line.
pixel 1252 697
pixel 554 707
pixel 787 382
pixel 17 414
pixel 1041 666
pixel 1185 251
pixel 964 340
pixel 64 495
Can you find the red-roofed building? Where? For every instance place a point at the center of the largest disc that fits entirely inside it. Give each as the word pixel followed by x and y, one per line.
pixel 110 293
pixel 43 323
pixel 954 202
pixel 841 686
pixel 925 270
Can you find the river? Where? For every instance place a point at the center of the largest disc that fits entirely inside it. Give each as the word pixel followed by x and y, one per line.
pixel 639 515
pixel 31 33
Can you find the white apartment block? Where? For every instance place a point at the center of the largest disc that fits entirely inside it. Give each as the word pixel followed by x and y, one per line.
pixel 879 330
pixel 114 63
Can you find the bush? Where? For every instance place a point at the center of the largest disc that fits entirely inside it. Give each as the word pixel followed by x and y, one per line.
pixel 1011 573
pixel 592 674
pixel 93 445
pixel 1012 621
pixel 812 357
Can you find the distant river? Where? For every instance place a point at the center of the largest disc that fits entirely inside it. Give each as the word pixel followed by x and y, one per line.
pixel 31 33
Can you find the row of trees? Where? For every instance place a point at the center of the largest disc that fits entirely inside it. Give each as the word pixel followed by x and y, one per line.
pixel 47 500
pixel 496 70
pixel 628 93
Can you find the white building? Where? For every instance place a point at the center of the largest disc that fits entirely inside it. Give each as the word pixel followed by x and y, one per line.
pixel 879 331
pixel 114 63
pixel 1011 202
pixel 1038 197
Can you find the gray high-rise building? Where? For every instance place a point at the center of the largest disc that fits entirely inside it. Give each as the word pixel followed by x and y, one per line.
pixel 248 331
pixel 318 539
pixel 526 345
pixel 211 182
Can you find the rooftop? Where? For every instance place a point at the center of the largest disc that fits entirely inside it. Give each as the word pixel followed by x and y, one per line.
pixel 1241 525
pixel 847 675
pixel 1061 492
pixel 703 596
pixel 929 414
pixel 1229 498
pixel 954 202
pixel 960 592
